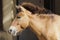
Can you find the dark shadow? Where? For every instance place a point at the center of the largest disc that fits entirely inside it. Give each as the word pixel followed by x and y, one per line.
pixel 50 4
pixel 1 16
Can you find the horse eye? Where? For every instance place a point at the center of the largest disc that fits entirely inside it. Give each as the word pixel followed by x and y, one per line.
pixel 18 17
pixel 22 27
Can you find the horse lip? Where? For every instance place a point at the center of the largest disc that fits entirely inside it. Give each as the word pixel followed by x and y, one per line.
pixel 14 34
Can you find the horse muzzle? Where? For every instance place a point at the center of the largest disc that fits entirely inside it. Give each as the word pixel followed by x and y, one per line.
pixel 12 30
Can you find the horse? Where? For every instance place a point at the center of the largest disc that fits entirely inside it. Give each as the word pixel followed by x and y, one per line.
pixel 46 25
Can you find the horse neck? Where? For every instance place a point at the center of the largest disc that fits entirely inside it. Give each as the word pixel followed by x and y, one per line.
pixel 37 25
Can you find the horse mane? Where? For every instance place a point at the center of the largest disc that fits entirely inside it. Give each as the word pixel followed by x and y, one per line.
pixel 35 9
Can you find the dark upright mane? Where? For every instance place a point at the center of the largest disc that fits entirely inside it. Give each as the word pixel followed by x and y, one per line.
pixel 35 9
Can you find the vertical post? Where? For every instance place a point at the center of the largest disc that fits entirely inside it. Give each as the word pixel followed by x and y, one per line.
pixel 1 16
pixel 8 15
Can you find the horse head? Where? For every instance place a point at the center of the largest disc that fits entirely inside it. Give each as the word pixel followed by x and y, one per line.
pixel 20 22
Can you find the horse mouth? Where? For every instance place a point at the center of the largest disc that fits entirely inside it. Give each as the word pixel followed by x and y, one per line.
pixel 14 33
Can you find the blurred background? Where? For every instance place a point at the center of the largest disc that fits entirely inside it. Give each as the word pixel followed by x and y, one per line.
pixel 8 12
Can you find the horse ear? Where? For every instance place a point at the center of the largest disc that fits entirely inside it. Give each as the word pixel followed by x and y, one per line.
pixel 21 8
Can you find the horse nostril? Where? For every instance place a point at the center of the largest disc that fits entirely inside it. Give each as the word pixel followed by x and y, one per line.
pixel 10 30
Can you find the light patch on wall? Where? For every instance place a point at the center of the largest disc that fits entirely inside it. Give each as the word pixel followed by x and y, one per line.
pixel 8 17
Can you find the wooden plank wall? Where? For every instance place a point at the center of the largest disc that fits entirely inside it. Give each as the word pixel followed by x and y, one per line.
pixel 8 15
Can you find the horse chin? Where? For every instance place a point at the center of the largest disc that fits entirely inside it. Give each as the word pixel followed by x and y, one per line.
pixel 19 33
pixel 14 34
